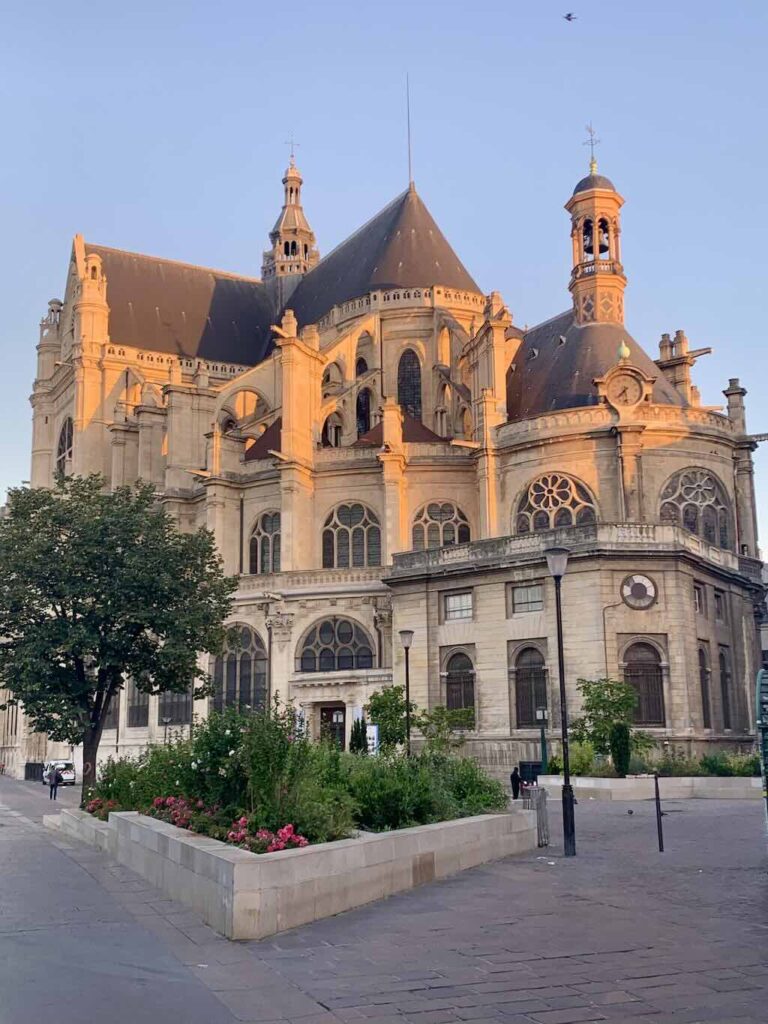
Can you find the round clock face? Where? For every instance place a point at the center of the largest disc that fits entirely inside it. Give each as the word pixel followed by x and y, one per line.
pixel 638 591
pixel 624 389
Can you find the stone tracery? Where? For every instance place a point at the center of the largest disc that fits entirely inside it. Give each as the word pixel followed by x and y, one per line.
pixel 554 500
pixel 696 500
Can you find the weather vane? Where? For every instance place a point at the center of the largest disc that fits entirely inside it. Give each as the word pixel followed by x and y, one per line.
pixel 592 141
pixel 293 144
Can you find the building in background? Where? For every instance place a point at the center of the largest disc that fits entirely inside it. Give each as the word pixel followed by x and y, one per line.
pixel 376 445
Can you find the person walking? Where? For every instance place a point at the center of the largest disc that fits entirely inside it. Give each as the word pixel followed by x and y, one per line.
pixel 515 780
pixel 55 779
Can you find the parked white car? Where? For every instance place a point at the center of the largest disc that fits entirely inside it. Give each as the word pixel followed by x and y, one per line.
pixel 66 768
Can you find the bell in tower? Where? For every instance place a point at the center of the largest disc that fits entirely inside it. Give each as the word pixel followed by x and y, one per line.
pixel 294 249
pixel 597 277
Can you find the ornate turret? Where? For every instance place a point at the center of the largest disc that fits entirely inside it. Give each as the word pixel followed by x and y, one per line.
pixel 597 279
pixel 293 251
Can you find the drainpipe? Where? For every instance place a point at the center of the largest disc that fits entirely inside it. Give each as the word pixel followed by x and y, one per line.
pixel 605 633
pixel 242 516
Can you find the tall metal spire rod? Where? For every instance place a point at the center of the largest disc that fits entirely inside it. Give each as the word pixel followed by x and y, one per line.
pixel 293 144
pixel 408 118
pixel 592 141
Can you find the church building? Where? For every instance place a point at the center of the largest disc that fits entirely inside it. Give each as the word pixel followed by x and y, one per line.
pixel 377 446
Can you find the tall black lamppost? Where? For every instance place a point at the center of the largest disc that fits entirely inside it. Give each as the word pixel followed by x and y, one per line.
pixel 557 563
pixel 541 718
pixel 406 639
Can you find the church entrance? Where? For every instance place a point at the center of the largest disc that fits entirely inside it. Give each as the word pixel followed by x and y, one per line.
pixel 333 723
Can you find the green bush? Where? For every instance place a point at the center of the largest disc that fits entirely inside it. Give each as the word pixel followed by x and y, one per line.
pixel 745 765
pixel 582 758
pixel 676 762
pixel 358 738
pixel 554 765
pixel 618 740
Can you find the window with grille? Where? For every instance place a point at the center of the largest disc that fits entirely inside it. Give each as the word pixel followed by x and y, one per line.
pixel 530 682
pixel 527 598
pixel 554 500
pixel 112 716
pixel 175 706
pixel 726 680
pixel 334 645
pixel 264 554
pixel 457 606
pixel 459 682
pixel 409 384
pixel 642 670
pixel 696 500
pixel 65 446
pixel 240 673
pixel 706 710
pixel 351 537
pixel 439 524
pixel 138 706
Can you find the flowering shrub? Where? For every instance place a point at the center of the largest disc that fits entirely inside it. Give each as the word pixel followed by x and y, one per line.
pixel 264 841
pixel 100 808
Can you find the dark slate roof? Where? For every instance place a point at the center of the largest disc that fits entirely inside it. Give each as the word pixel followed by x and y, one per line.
pixel 402 247
pixel 185 310
pixel 594 181
pixel 414 432
pixel 558 360
pixel 270 440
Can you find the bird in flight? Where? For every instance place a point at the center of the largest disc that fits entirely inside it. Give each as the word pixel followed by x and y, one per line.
pixel 570 16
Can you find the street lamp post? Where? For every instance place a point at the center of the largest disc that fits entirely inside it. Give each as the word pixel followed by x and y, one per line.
pixel 557 563
pixel 406 639
pixel 541 718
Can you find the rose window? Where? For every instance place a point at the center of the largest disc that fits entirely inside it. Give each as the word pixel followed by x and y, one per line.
pixel 554 500
pixel 696 500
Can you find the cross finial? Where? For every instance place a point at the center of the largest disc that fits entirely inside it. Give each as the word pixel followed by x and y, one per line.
pixel 293 144
pixel 592 141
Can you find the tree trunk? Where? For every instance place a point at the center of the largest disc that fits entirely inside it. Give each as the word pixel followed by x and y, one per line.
pixel 90 751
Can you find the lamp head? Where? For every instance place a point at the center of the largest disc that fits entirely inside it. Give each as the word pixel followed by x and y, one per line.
pixel 557 561
pixel 406 638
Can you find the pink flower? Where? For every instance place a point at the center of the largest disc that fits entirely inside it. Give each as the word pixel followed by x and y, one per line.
pixel 200 805
pixel 243 821
pixel 170 801
pixel 159 801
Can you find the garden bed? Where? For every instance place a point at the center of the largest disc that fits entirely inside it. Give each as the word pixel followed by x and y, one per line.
pixel 250 896
pixel 640 787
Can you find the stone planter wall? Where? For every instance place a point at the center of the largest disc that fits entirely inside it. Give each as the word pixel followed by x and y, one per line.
pixel 249 896
pixel 640 787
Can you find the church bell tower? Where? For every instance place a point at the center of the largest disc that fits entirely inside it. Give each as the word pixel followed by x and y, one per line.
pixel 597 279
pixel 294 250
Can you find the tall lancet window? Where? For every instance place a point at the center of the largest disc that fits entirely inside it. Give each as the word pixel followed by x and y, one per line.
pixel 409 384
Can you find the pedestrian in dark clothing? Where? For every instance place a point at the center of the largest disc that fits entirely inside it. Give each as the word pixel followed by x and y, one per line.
pixel 515 780
pixel 55 779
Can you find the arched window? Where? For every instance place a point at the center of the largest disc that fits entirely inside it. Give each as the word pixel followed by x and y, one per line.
pixel 696 500
pixel 459 682
pixel 706 711
pixel 439 525
pixel 286 249
pixel 332 431
pixel 332 379
pixel 64 447
pixel 724 664
pixel 361 367
pixel 363 412
pixel 293 248
pixel 587 236
pixel 554 500
pixel 240 673
pixel 351 536
pixel 642 670
pixel 264 554
pixel 334 645
pixel 409 384
pixel 530 686
pixel 603 237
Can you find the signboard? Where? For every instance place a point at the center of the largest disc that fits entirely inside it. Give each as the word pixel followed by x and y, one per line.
pixel 372 735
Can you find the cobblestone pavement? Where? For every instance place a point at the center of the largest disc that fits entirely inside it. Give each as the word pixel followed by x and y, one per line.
pixel 619 934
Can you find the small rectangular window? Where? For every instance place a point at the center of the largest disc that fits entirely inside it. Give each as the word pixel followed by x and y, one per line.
pixel 720 606
pixel 458 606
pixel 529 598
pixel 699 599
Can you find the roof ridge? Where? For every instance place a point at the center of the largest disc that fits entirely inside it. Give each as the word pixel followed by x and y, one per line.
pixel 175 263
pixel 362 228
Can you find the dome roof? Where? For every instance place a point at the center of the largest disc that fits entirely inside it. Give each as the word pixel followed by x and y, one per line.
pixel 594 181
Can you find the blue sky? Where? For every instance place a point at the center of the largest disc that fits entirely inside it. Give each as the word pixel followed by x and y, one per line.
pixel 160 127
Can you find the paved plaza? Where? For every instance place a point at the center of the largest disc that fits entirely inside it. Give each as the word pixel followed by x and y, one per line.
pixel 620 934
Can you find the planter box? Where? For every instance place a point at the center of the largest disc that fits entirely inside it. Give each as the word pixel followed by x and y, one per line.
pixel 640 787
pixel 248 896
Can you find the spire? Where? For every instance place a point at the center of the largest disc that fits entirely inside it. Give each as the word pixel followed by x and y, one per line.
pixel 294 250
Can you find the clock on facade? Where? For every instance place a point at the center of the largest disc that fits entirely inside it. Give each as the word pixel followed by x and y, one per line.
pixel 625 389
pixel 639 592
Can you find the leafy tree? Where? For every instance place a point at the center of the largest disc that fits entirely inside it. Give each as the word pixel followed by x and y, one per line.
pixel 618 739
pixel 442 728
pixel 386 708
pixel 604 702
pixel 96 587
pixel 358 737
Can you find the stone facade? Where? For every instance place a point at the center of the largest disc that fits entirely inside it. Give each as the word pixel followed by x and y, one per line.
pixel 386 404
